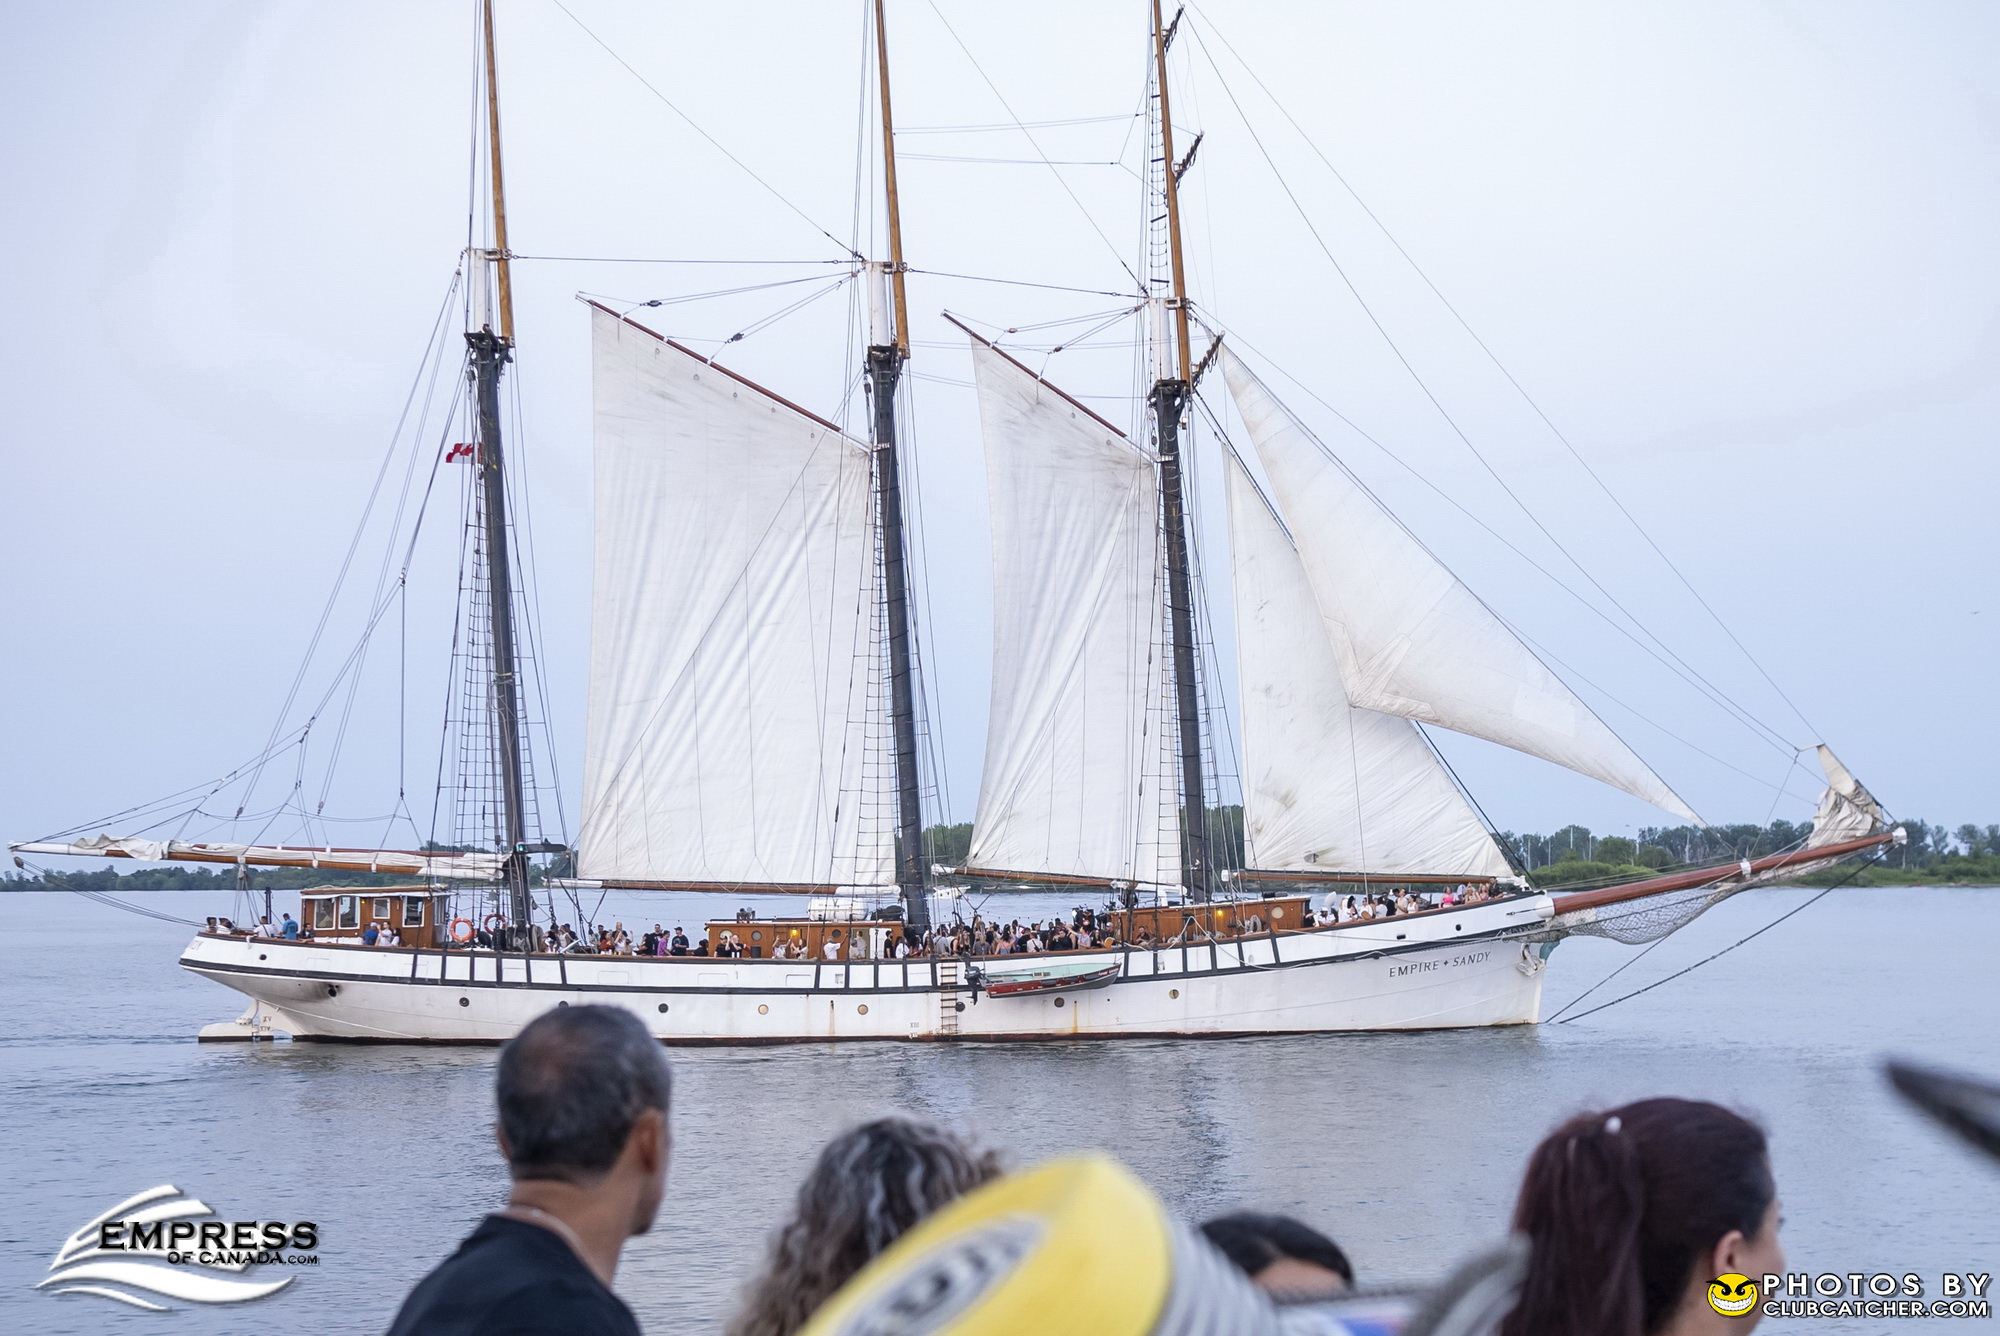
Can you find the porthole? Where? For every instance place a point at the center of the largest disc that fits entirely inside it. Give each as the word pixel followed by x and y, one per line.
pixel 663 1008
pixel 863 1008
pixel 562 1004
pixel 1174 993
pixel 1059 1001
pixel 1278 912
pixel 262 956
pixel 465 1001
pixel 763 1009
pixel 958 1006
pixel 333 990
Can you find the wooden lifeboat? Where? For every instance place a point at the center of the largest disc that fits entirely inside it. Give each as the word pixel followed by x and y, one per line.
pixel 1050 979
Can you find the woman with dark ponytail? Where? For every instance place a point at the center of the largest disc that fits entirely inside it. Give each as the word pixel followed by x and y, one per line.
pixel 1634 1211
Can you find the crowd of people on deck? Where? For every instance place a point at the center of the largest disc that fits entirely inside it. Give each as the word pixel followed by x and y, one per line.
pixel 1404 900
pixel 1085 929
pixel 1623 1221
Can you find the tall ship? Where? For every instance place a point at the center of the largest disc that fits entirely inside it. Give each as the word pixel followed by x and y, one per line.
pixel 758 723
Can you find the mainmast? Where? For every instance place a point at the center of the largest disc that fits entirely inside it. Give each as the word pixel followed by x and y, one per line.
pixel 490 353
pixel 889 347
pixel 1170 395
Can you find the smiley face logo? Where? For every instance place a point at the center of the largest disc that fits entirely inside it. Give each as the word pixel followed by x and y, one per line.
pixel 1732 1295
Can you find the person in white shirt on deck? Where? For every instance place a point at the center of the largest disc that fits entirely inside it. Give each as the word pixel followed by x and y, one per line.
pixel 831 951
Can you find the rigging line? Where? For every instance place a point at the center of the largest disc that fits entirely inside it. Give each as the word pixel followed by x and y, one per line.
pixel 630 304
pixel 1858 870
pixel 384 567
pixel 1566 1007
pixel 715 143
pixel 934 746
pixel 1025 134
pixel 149 807
pixel 1106 323
pixel 472 137
pixel 1634 711
pixel 1500 366
pixel 902 130
pixel 1118 312
pixel 1714 696
pixel 1424 386
pixel 1492 830
pixel 658 259
pixel 1018 282
pixel 759 326
pixel 354 543
pixel 533 610
pixel 1011 162
pixel 113 902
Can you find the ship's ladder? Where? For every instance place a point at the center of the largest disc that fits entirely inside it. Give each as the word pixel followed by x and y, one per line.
pixel 950 980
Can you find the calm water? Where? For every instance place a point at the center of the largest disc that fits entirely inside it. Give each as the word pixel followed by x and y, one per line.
pixel 1405 1148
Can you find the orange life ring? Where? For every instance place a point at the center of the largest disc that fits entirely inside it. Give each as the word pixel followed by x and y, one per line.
pixel 495 922
pixel 458 936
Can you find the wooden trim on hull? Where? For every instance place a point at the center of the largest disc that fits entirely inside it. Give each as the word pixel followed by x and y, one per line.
pixel 1702 876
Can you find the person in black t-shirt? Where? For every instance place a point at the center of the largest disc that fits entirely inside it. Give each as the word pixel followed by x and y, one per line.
pixel 583 1095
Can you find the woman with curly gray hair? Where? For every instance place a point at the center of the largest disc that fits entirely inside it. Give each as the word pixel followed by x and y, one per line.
pixel 869 1186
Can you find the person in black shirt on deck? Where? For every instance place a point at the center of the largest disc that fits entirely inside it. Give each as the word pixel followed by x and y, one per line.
pixel 583 1095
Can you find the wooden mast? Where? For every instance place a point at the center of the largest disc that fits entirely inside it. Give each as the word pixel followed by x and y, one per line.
pixel 887 351
pixel 1184 358
pixel 490 352
pixel 1170 396
pixel 894 205
pixel 503 282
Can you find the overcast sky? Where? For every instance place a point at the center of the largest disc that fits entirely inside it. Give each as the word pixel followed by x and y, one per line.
pixel 1741 254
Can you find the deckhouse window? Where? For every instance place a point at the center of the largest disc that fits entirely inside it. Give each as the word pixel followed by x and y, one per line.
pixel 413 911
pixel 350 911
pixel 322 915
pixel 378 908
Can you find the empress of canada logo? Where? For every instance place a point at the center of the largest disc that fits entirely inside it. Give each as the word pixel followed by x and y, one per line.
pixel 162 1244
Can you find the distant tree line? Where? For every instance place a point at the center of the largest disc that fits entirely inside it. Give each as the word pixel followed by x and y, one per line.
pixel 1930 844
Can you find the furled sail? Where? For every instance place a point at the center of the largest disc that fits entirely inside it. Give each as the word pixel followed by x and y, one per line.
pixel 732 652
pixel 1075 775
pixel 1409 638
pixel 1327 786
pixel 1846 809
pixel 446 864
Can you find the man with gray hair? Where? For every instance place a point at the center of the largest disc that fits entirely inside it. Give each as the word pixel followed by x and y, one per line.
pixel 583 1095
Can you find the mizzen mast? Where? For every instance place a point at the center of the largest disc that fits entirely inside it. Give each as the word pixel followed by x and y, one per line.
pixel 491 351
pixel 1170 396
pixel 888 349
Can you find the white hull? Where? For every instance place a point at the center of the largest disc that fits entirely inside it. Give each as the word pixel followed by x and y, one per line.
pixel 1443 970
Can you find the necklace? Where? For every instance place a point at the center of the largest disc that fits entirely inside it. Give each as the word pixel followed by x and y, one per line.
pixel 554 1224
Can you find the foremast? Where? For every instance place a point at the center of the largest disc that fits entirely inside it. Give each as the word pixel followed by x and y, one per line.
pixel 492 346
pixel 889 348
pixel 1169 401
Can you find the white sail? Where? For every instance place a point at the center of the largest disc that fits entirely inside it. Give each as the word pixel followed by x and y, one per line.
pixel 1846 810
pixel 1409 637
pixel 1327 786
pixel 730 660
pixel 1075 762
